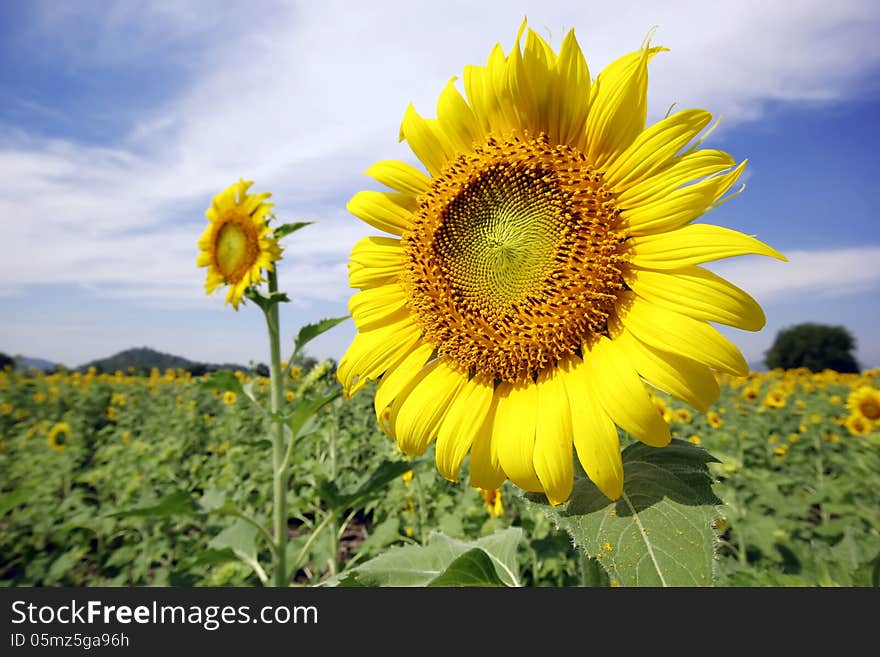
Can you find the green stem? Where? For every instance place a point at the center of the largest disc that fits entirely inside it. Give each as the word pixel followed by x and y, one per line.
pixel 315 533
pixel 279 472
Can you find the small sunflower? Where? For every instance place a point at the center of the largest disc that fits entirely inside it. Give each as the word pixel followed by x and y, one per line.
pixel 714 419
pixel 858 425
pixel 542 270
pixel 493 502
pixel 238 242
pixel 865 401
pixel 59 436
pixel 229 397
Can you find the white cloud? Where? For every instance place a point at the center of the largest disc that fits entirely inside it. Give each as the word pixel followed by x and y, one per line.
pixel 302 97
pixel 806 275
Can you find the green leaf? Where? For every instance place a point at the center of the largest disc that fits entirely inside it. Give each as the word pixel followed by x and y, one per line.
pixel 241 538
pixel 473 568
pixel 287 229
pixel 311 331
pixel 14 498
pixel 177 503
pixel 305 409
pixel 374 484
pixel 417 565
pixel 223 380
pixel 659 533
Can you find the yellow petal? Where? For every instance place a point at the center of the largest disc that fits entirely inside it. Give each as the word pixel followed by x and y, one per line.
pixel 553 441
pixel 430 145
pixel 539 63
pixel 688 380
pixel 679 207
pixel 618 106
pixel 375 261
pixel 400 176
pixel 698 293
pixel 372 308
pixel 680 171
pixel 372 352
pixel 513 433
pixel 396 379
pixel 670 331
pixel 457 119
pixel 422 410
pixel 462 423
pixel 622 394
pixel 571 93
pixel 486 472
pixel 692 245
pixel 388 211
pixel 593 432
pixel 655 147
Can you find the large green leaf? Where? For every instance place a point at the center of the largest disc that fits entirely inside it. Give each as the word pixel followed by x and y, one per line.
pixel 659 533
pixel 473 568
pixel 421 565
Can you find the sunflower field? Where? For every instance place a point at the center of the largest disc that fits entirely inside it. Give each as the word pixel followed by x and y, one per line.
pixel 126 480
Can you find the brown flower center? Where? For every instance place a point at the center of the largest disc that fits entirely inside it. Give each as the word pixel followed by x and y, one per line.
pixel 513 261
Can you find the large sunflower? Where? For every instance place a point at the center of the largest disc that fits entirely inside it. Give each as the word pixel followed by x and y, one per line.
pixel 238 242
pixel 542 271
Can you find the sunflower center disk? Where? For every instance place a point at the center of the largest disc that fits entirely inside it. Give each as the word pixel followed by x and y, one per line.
pixel 235 248
pixel 512 261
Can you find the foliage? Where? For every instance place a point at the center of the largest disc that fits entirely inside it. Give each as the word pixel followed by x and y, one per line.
pixel 814 346
pixel 162 492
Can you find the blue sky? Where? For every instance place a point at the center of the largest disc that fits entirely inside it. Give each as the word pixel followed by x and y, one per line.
pixel 119 121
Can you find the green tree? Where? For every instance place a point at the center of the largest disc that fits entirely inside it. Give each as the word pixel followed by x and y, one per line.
pixel 6 360
pixel 814 346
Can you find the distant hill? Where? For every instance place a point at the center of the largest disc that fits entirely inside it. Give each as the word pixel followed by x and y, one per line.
pixel 26 363
pixel 143 359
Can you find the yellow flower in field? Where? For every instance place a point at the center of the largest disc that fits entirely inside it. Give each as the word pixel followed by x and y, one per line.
pixel 39 397
pixel 696 440
pixel 800 403
pixel 714 419
pixel 111 413
pixel 683 415
pixel 834 399
pixel 782 450
pixel 793 438
pixel 492 502
pixel 126 437
pixel 858 425
pixel 816 418
pixel 290 395
pixel 59 436
pixel 223 447
pixel 238 242
pixel 772 439
pixel 229 397
pixel 865 401
pixel 295 372
pixel 407 477
pixel 5 408
pixel 751 393
pixel 775 399
pixel 543 268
